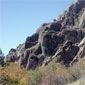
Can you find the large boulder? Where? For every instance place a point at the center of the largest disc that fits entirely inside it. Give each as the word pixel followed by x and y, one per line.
pixel 49 43
pixel 53 26
pixel 81 53
pixel 32 62
pixel 66 53
pixel 36 50
pixel 31 41
pixel 73 34
pixel 12 56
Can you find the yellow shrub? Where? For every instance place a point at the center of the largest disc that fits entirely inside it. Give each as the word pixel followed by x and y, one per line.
pixel 52 74
pixel 14 72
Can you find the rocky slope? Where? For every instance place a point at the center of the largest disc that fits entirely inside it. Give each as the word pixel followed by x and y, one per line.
pixel 57 41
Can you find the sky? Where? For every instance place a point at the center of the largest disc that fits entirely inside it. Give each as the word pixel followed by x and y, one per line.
pixel 21 18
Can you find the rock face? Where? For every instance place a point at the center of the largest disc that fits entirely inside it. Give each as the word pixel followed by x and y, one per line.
pixel 58 40
pixel 1 54
pixel 67 53
pixel 81 53
pixel 12 56
pixel 31 41
pixel 81 1
pixel 82 20
pixel 50 42
pixel 1 57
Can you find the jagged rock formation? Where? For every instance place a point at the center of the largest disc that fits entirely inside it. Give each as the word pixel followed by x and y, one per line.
pixel 81 53
pixel 57 40
pixel 11 56
pixel 67 53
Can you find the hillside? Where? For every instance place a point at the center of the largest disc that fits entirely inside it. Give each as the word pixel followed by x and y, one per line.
pixel 55 53
pixel 57 40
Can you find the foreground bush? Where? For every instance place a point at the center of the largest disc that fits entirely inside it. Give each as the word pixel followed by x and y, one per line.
pixel 56 74
pixel 14 75
pixel 78 69
pixel 6 80
pixel 52 74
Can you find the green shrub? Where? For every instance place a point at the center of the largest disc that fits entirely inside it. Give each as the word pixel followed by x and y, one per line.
pixel 5 80
pixel 35 77
pixel 52 74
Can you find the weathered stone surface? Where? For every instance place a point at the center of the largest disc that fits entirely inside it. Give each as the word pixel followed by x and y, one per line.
pixel 32 62
pixel 67 53
pixel 41 58
pixel 31 41
pixel 58 40
pixel 82 20
pixel 81 53
pixel 50 42
pixel 11 57
pixel 20 49
pixel 72 35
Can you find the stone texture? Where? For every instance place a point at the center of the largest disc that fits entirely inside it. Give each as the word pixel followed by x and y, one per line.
pixel 57 40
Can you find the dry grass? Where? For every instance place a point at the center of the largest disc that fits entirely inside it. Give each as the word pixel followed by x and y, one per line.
pixel 56 74
pixel 52 74
pixel 78 69
pixel 14 72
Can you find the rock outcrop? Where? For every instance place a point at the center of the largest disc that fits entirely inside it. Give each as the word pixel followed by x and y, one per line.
pixel 1 58
pixel 67 53
pixel 58 40
pixel 81 53
pixel 12 56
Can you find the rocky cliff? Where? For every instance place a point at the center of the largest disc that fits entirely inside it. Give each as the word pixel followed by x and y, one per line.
pixel 62 40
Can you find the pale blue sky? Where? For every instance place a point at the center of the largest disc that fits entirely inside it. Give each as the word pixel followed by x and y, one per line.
pixel 21 18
